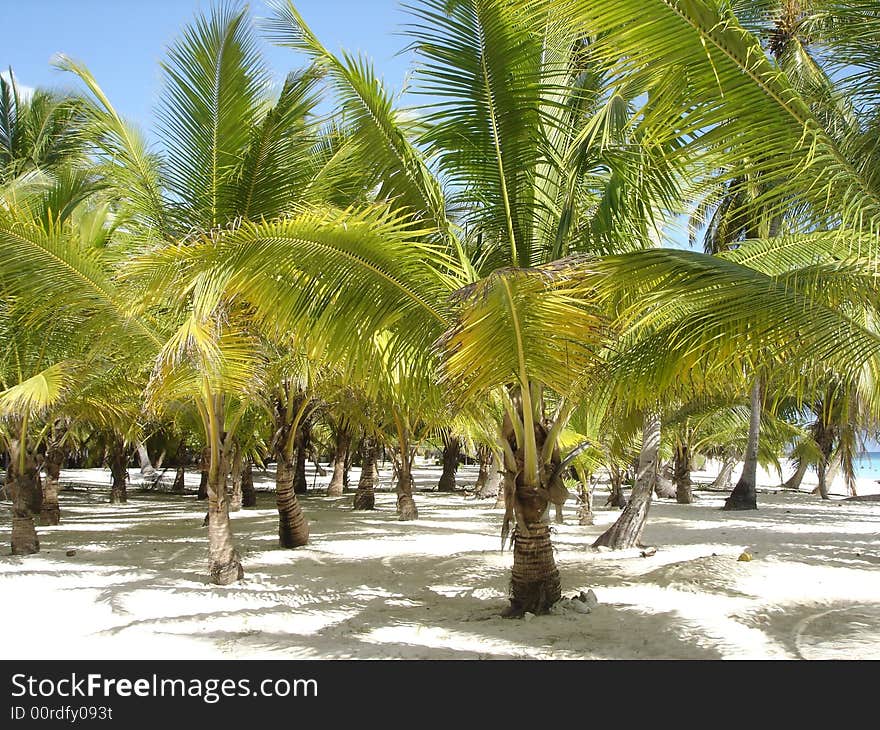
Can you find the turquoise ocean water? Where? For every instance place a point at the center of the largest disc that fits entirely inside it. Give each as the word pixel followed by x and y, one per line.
pixel 868 465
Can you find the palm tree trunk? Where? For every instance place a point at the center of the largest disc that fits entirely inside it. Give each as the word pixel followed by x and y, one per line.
pixel 406 506
pixel 224 562
pixel 585 501
pixel 204 465
pixel 302 439
pixel 6 485
pixel 682 475
pixel 745 495
pixel 451 451
pixel 503 489
pixel 826 467
pixel 50 512
pixel 616 497
pixel 665 486
pixel 534 583
pixel 235 498
pixel 529 480
pixel 365 497
pixel 722 481
pixel 293 530
pixel 794 481
pixel 340 462
pixel 147 468
pixel 346 469
pixel 248 493
pixel 489 478
pixel 118 471
pixel 27 498
pixel 484 458
pixel 179 481
pixel 627 530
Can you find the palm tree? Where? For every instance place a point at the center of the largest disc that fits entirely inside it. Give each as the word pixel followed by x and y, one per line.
pixel 516 83
pixel 21 404
pixel 563 135
pixel 61 330
pixel 550 168
pixel 234 151
pixel 39 132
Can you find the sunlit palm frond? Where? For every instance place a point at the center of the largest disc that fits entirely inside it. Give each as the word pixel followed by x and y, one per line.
pixel 383 144
pixel 729 87
pixel 518 326
pixel 38 392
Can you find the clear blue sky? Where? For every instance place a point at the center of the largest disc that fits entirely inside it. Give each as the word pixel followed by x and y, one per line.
pixel 122 41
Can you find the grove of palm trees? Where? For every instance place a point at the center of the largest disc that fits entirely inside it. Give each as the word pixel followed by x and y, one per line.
pixel 570 350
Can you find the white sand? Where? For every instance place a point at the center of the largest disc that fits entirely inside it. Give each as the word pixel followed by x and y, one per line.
pixel 770 479
pixel 369 586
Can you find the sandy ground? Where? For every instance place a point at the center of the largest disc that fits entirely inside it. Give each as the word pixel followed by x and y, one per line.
pixel 369 586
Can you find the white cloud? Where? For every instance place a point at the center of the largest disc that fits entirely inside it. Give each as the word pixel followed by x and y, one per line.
pixel 24 91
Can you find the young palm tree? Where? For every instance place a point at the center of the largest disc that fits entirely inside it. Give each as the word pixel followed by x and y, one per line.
pixel 234 151
pixel 550 169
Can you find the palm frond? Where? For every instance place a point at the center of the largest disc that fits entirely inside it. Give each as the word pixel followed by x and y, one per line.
pixel 367 108
pixel 215 92
pixel 728 87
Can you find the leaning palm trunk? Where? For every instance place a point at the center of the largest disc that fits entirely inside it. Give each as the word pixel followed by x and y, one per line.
pixel 795 480
pixel 665 487
pixel 627 530
pixel 224 562
pixel 682 475
pixel 723 480
pixel 745 495
pixel 365 497
pixel 23 482
pixel 118 472
pixel 147 468
pixel 532 482
pixel 340 463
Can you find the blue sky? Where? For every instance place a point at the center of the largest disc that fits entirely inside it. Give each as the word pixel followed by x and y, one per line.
pixel 122 41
